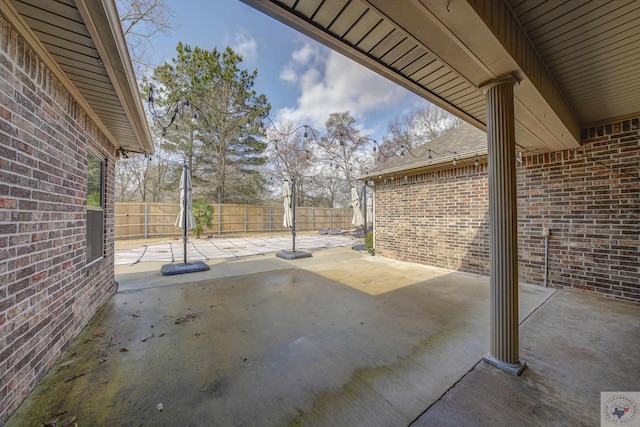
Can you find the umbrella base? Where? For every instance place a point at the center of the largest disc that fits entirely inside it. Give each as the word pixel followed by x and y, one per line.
pixel 292 254
pixel 183 267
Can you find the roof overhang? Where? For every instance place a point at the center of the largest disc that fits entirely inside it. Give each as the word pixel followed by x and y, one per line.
pixel 460 147
pixel 445 51
pixel 82 42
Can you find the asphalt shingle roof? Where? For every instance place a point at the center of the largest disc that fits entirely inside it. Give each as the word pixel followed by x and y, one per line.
pixel 465 142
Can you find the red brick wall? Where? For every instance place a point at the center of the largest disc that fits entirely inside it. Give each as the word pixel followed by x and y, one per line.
pixel 47 292
pixel 435 218
pixel 589 198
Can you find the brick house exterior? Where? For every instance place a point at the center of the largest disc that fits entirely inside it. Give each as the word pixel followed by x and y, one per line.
pixel 49 290
pixel 588 197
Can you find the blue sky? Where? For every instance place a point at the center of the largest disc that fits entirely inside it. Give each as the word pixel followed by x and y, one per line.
pixel 303 80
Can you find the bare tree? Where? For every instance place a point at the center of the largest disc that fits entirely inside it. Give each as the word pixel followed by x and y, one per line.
pixel 141 20
pixel 400 133
pixel 327 189
pixel 432 121
pixel 290 155
pixel 342 143
pixel 143 178
pixel 414 129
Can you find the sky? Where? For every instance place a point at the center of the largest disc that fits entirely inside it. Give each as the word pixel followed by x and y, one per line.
pixel 303 80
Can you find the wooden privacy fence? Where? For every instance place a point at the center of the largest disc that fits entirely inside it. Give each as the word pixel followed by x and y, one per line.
pixel 146 220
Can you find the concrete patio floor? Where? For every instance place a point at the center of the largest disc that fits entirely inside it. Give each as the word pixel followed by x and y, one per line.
pixel 341 338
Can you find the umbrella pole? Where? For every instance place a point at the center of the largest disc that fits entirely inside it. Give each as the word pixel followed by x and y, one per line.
pixel 185 267
pixel 364 197
pixel 293 212
pixel 184 215
pixel 293 254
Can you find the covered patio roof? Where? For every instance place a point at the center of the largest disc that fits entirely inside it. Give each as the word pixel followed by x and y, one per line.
pixel 530 73
pixel 576 62
pixel 82 42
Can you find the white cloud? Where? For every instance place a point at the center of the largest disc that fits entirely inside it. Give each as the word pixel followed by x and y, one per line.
pixel 329 82
pixel 288 75
pixel 244 44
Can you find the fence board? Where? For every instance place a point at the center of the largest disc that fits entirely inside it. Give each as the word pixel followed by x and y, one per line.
pixel 149 220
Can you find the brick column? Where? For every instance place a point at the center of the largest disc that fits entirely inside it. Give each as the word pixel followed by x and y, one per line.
pixel 503 223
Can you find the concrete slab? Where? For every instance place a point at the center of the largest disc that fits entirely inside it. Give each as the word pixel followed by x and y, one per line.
pixel 223 247
pixel 271 342
pixel 576 346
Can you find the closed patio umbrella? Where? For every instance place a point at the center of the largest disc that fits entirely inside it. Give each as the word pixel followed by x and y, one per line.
pixel 185 221
pixel 288 214
pixel 289 195
pixel 357 220
pixel 186 203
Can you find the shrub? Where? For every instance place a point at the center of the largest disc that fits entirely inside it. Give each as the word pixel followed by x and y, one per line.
pixel 203 214
pixel 368 242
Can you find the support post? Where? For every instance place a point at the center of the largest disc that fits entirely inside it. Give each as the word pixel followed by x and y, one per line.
pixel 503 226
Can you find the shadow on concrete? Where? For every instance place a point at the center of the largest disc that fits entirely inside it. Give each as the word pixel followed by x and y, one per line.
pixel 269 342
pixel 576 346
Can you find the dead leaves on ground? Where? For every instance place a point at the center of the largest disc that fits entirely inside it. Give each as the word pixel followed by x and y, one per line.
pixel 187 318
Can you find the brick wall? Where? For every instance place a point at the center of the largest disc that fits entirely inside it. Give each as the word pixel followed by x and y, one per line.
pixel 435 218
pixel 589 198
pixel 47 292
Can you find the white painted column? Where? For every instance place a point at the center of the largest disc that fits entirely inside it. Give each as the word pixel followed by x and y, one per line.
pixel 503 226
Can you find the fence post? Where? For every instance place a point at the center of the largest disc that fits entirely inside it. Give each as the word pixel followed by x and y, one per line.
pixel 245 217
pixel 219 218
pixel 313 218
pixel 146 220
pixel 270 219
pixel 331 218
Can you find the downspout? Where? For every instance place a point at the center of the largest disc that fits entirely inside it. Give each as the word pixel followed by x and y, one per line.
pixel 546 233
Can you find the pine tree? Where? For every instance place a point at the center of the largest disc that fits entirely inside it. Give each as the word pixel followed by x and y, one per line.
pixel 217 128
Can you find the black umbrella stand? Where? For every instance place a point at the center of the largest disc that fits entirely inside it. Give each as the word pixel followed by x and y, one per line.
pixel 293 254
pixel 184 267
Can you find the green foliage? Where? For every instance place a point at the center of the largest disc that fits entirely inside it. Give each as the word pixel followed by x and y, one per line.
pixel 224 143
pixel 203 214
pixel 93 199
pixel 368 242
pixel 95 172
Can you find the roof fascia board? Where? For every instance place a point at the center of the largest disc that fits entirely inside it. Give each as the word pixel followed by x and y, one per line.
pixel 443 162
pixel 32 40
pixel 101 19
